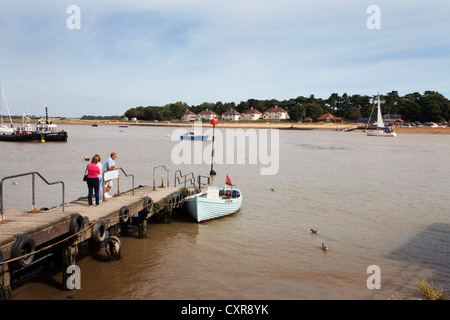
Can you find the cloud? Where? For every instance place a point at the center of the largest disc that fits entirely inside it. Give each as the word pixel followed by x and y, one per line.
pixel 135 53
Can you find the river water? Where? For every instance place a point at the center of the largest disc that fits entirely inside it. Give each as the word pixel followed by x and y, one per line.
pixel 376 201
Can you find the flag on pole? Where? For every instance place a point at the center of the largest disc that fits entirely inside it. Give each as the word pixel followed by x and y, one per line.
pixel 228 181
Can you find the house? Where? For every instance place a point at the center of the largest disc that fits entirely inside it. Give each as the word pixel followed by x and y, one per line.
pixel 207 114
pixel 231 115
pixel 251 114
pixel 392 118
pixel 276 113
pixel 328 117
pixel 308 120
pixel 188 116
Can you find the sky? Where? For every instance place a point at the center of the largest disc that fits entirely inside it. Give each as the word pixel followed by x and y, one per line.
pixel 134 53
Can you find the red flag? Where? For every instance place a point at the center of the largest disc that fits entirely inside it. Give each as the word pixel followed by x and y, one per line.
pixel 228 181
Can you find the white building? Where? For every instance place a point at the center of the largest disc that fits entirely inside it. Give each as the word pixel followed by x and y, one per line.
pixel 188 116
pixel 231 115
pixel 207 114
pixel 276 113
pixel 251 114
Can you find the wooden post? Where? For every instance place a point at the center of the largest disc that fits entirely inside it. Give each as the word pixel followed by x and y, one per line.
pixel 69 257
pixel 5 283
pixel 142 228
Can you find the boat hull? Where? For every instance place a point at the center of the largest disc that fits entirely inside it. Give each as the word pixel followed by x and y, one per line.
pixel 6 130
pixel 381 134
pixel 203 138
pixel 60 136
pixel 202 208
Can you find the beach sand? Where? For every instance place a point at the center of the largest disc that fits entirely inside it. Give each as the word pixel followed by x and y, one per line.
pixel 271 124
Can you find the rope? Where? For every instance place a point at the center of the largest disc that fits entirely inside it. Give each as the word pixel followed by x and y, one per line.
pixel 83 230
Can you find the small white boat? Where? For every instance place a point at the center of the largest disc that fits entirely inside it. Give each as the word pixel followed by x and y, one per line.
pixel 194 135
pixel 6 130
pixel 214 203
pixel 381 130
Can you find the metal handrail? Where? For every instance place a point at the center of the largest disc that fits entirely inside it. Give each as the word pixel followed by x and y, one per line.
pixel 163 167
pixel 200 184
pixel 118 181
pixel 33 174
pixel 181 176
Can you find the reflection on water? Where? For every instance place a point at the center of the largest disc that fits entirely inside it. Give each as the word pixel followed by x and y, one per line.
pixel 375 201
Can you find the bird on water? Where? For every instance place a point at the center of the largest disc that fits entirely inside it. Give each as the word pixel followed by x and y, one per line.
pixel 324 247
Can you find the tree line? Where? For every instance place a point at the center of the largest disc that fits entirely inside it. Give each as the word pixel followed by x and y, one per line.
pixel 429 106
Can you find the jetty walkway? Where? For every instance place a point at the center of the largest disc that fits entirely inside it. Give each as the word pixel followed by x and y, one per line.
pixel 25 235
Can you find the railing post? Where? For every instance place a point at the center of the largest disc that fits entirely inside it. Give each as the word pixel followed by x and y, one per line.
pixel 33 207
pixel 33 187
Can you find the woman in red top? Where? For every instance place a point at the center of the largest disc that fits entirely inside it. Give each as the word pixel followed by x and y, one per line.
pixel 92 180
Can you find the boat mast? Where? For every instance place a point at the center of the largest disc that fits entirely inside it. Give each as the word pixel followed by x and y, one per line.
pixel 2 94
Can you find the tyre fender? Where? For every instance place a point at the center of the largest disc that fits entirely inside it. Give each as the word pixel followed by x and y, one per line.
pixel 99 231
pixel 148 205
pixel 76 223
pixel 124 214
pixel 112 247
pixel 22 246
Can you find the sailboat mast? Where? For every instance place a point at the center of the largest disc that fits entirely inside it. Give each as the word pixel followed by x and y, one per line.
pixel 2 94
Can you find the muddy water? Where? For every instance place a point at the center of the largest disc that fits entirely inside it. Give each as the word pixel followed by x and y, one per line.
pixel 376 201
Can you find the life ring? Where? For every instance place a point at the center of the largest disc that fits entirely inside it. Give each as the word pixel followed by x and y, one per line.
pixel 148 205
pixel 76 223
pixel 22 246
pixel 99 231
pixel 112 247
pixel 124 214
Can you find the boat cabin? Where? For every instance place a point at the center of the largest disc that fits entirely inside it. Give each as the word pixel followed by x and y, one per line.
pixel 43 127
pixel 24 128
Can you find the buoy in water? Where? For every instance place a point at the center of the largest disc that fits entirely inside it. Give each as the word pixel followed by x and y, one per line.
pixel 42 141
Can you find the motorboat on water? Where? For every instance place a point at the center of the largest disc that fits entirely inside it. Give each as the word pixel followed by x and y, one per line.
pixel 194 135
pixel 214 202
pixel 44 131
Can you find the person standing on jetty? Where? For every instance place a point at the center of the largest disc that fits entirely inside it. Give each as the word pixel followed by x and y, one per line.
pixel 92 180
pixel 100 179
pixel 109 165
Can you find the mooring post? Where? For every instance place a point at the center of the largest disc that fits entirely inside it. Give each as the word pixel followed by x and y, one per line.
pixel 69 257
pixel 142 228
pixel 5 283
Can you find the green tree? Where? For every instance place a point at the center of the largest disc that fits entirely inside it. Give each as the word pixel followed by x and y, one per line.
pixel 313 110
pixel 296 112
pixel 434 106
pixel 353 113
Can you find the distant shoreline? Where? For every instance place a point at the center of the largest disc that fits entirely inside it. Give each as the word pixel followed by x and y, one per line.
pixel 270 124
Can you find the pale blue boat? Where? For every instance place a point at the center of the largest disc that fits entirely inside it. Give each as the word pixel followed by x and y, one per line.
pixel 214 203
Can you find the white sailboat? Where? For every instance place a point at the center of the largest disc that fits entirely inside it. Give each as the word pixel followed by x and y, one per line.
pixel 4 129
pixel 381 131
